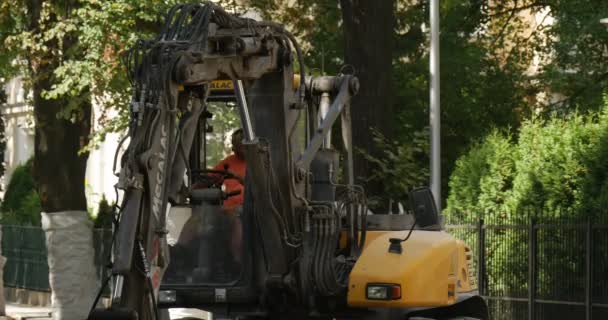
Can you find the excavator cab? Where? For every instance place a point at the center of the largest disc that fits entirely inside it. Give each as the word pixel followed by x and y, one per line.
pixel 207 241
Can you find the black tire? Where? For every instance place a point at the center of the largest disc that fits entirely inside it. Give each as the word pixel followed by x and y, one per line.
pixel 163 314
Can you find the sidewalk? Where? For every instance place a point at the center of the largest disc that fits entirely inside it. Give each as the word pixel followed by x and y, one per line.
pixel 25 312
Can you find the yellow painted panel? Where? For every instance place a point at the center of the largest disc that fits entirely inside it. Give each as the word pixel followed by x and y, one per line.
pixel 426 270
pixel 467 281
pixel 369 237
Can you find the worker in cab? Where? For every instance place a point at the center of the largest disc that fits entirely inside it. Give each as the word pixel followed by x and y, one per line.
pixel 235 165
pixel 233 181
pixel 230 172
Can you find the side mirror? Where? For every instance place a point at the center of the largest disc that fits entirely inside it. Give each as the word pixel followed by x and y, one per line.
pixel 423 205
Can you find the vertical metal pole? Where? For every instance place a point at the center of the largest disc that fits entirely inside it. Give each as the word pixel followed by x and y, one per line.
pixel 589 272
pixel 204 129
pixel 241 99
pixel 347 138
pixel 532 271
pixel 481 263
pixel 435 111
pixel 323 110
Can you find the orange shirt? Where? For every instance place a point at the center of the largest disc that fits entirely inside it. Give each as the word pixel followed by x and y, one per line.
pixel 238 167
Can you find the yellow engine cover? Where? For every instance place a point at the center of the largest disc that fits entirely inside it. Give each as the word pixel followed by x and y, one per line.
pixel 431 270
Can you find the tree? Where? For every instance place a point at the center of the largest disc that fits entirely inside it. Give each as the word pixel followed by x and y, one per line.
pixel 368 48
pixel 574 46
pixel 59 168
pixel 69 51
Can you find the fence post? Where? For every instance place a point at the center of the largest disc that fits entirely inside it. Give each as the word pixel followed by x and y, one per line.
pixel 589 272
pixel 532 270
pixel 481 263
pixel 2 262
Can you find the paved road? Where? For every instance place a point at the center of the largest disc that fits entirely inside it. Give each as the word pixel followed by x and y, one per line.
pixel 24 312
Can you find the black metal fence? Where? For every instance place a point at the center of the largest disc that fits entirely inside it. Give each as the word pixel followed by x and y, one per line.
pixel 541 268
pixel 26 256
pixel 26 261
pixel 529 268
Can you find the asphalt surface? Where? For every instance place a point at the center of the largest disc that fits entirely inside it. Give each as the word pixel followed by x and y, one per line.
pixel 24 312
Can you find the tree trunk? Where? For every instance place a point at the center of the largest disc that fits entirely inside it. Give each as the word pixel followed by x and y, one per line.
pixel 368 46
pixel 59 173
pixel 59 169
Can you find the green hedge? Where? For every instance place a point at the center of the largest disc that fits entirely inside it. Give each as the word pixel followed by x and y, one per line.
pixel 553 169
pixel 557 165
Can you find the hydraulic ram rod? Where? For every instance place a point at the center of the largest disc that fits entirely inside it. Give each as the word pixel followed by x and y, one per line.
pixel 241 99
pixel 348 84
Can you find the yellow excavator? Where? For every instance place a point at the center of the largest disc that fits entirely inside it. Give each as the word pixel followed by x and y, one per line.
pixel 302 244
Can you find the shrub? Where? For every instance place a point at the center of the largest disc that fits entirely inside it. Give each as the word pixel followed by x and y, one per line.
pixel 557 165
pixel 556 168
pixel 403 166
pixel 105 214
pixel 482 178
pixel 21 203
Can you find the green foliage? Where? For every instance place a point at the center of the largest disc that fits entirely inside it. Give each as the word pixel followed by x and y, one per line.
pixel 487 50
pixel 225 120
pixel 577 42
pixel 87 38
pixel 483 177
pixel 105 214
pixel 555 169
pixel 479 91
pixel 316 23
pixel 556 165
pixel 554 161
pixel 399 169
pixel 21 203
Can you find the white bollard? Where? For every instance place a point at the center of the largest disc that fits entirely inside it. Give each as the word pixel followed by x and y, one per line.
pixel 69 242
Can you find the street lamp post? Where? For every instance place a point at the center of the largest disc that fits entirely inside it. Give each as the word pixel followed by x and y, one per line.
pixel 435 117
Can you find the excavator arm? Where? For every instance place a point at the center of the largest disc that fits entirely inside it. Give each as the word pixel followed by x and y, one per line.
pixel 171 75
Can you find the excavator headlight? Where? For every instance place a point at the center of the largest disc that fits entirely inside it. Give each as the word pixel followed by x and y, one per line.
pixel 383 291
pixel 167 296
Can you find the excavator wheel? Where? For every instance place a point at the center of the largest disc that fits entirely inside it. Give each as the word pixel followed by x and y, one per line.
pixel 114 314
pixel 457 318
pixel 163 314
pixel 473 308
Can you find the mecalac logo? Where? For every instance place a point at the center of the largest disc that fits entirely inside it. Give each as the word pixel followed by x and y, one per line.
pixel 160 174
